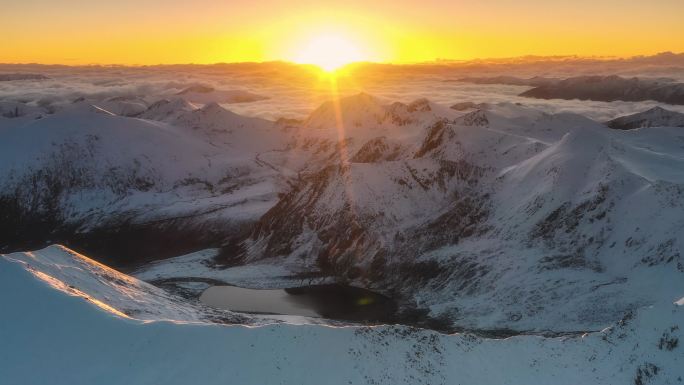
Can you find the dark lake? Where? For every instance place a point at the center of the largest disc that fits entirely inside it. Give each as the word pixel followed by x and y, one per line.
pixel 332 301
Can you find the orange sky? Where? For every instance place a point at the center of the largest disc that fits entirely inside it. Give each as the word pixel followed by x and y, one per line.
pixel 209 31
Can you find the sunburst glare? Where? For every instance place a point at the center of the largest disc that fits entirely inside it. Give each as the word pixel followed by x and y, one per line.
pixel 330 52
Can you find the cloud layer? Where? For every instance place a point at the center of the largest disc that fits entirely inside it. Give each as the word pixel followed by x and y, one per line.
pixel 294 91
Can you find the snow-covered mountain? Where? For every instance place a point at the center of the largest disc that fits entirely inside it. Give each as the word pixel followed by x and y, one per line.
pixel 223 126
pixel 108 328
pixel 504 218
pixel 13 110
pixel 167 110
pixel 85 168
pixel 364 115
pixel 344 126
pixel 124 106
pixel 655 117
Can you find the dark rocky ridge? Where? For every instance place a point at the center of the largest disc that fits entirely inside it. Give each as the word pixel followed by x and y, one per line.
pixel 655 117
pixel 536 81
pixel 21 76
pixel 610 88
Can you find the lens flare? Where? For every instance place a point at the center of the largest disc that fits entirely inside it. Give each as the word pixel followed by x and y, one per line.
pixel 329 52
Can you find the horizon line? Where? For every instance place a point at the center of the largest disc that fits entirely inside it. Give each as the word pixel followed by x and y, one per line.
pixel 531 57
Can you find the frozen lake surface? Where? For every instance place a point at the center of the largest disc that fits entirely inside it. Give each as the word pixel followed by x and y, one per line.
pixel 327 301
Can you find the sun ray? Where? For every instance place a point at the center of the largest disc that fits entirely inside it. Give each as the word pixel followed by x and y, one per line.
pixel 343 150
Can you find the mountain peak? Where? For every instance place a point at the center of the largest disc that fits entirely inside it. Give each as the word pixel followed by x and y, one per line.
pixel 168 109
pixel 658 109
pixel 477 118
pixel 355 111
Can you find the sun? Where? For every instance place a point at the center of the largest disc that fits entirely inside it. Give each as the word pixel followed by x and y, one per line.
pixel 329 52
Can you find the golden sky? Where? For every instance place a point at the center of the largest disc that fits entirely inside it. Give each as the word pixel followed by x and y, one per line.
pixel 209 31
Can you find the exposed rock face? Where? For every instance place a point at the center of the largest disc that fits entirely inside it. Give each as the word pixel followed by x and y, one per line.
pixel 474 119
pixel 435 137
pixel 377 150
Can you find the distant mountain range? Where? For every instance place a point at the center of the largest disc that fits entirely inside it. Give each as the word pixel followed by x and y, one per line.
pixel 610 88
pixel 21 76
pixel 598 88
pixel 536 81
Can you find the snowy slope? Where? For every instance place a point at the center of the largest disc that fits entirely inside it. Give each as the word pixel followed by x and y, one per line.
pixel 86 168
pixel 90 341
pixel 78 275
